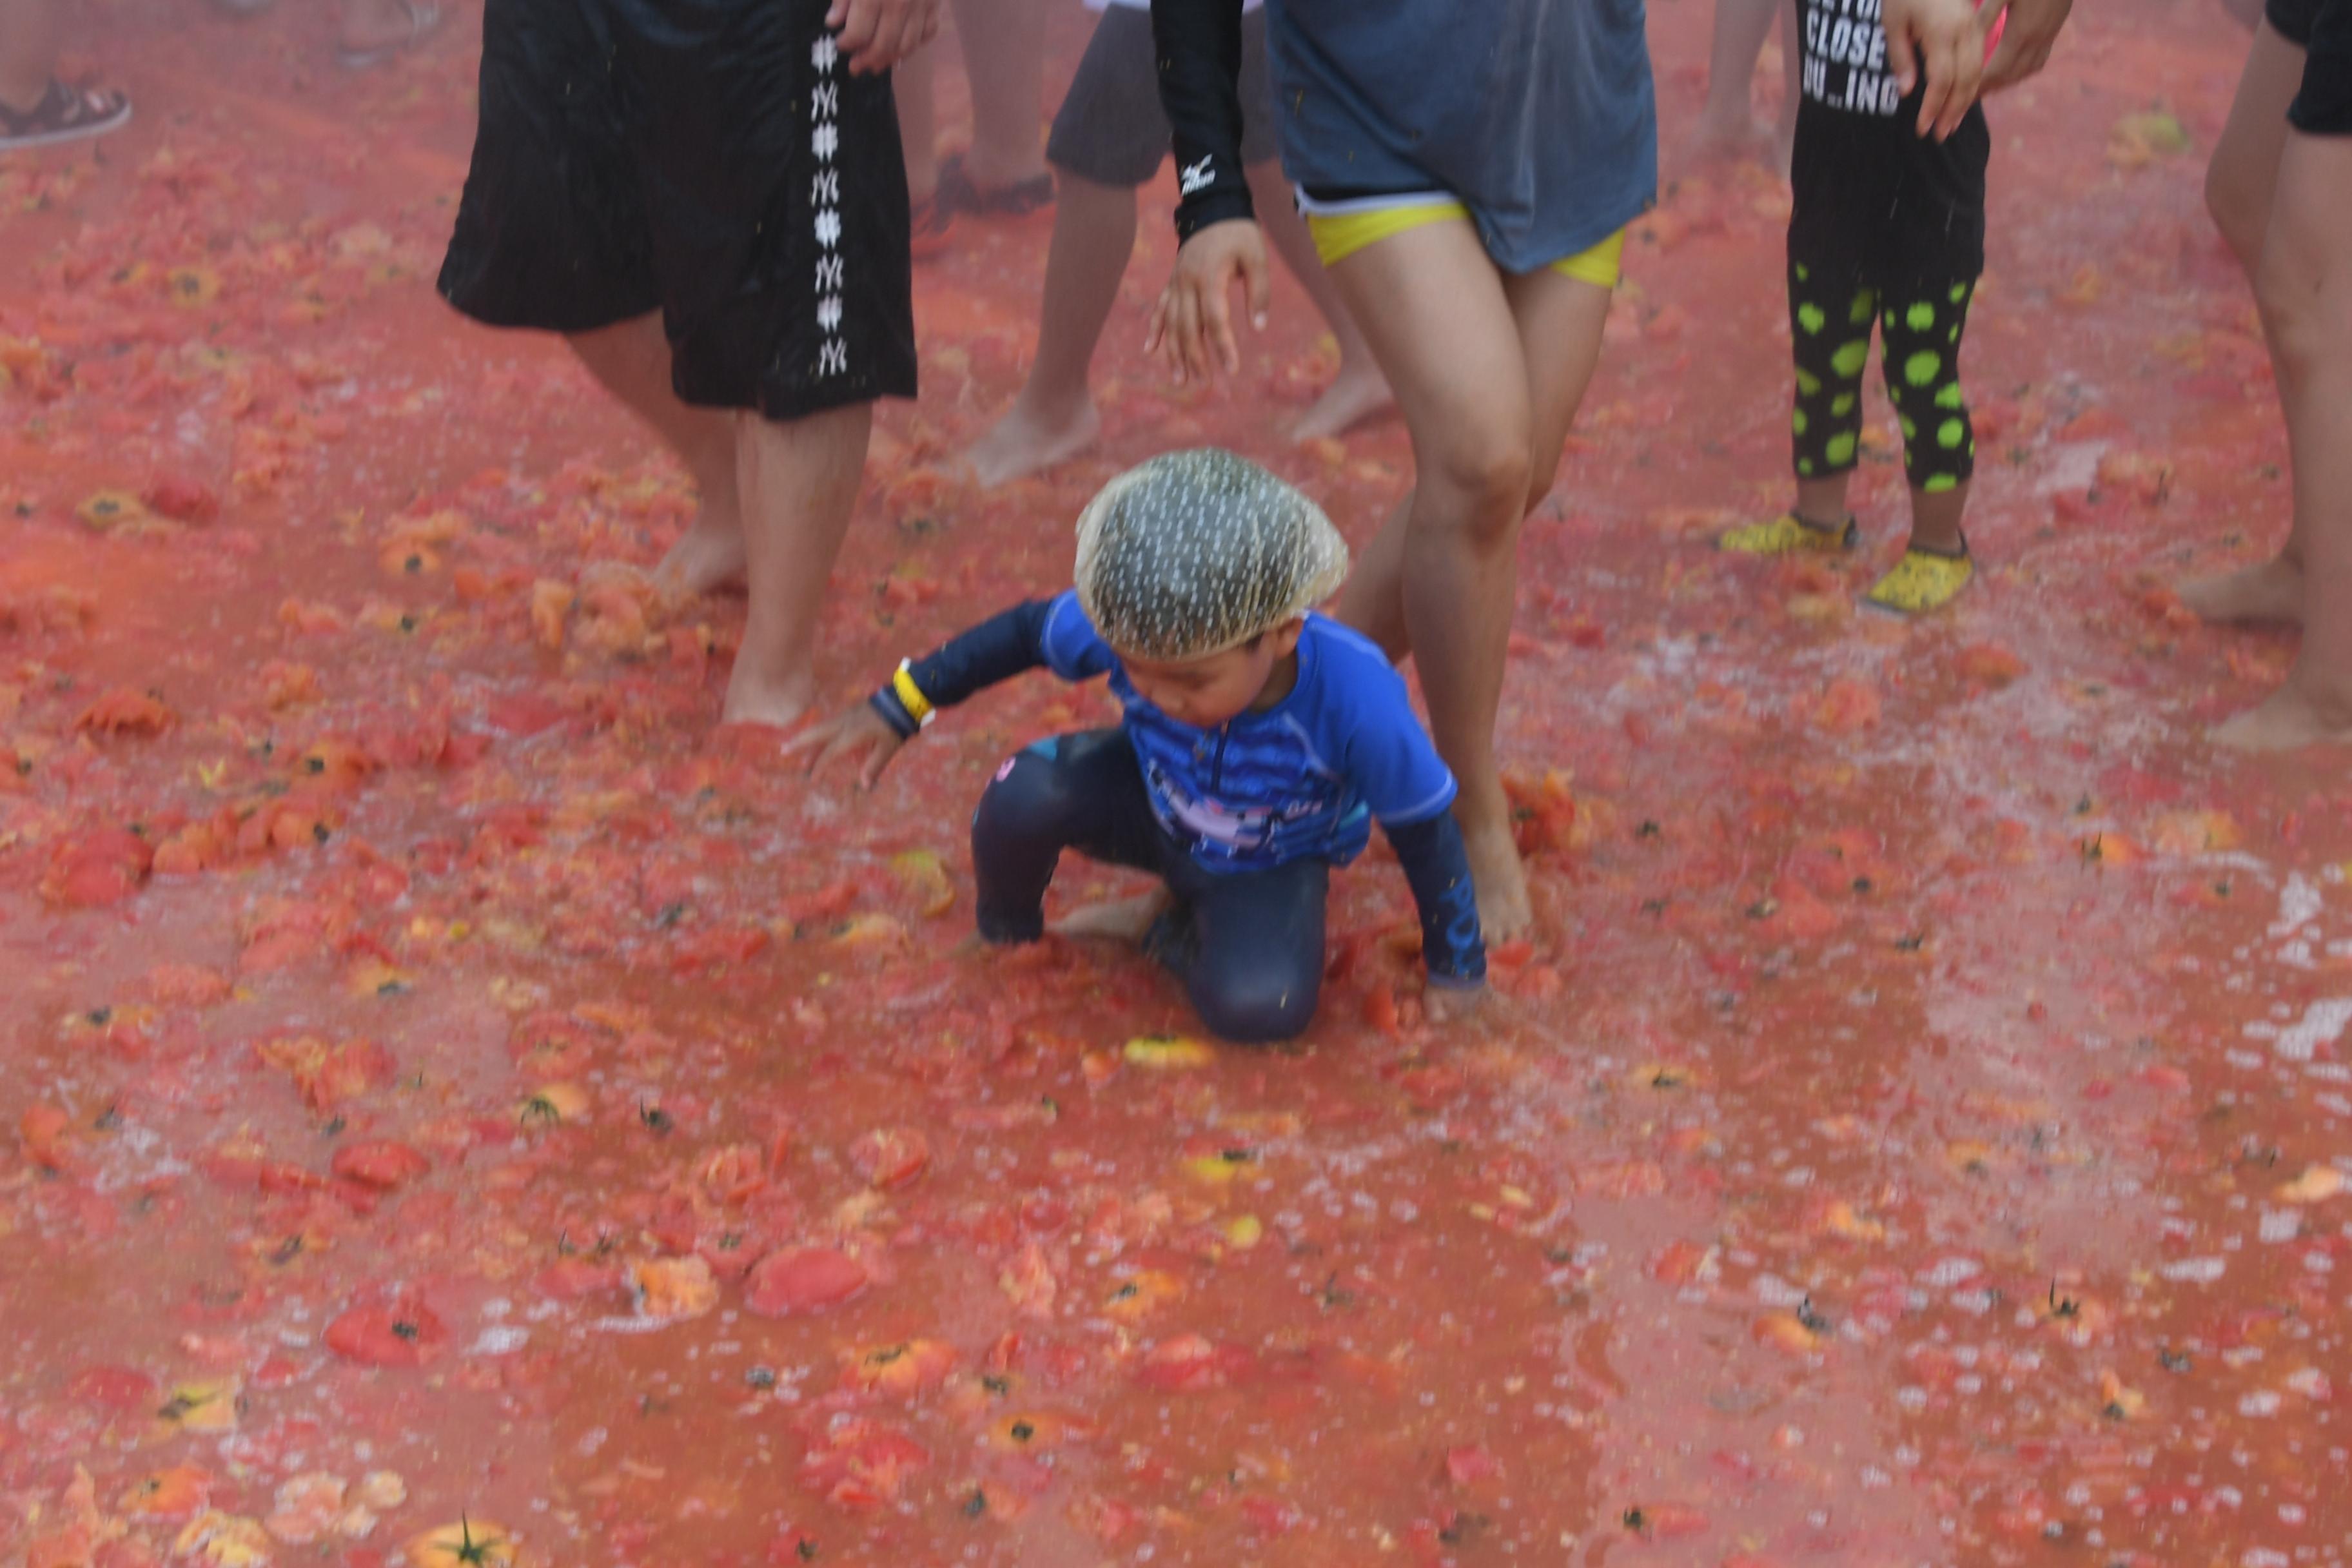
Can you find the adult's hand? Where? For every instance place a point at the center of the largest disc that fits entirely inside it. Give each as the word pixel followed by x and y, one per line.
pixel 875 35
pixel 1192 326
pixel 2025 40
pixel 1941 41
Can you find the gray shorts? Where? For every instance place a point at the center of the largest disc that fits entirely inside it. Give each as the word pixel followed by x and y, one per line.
pixel 1111 128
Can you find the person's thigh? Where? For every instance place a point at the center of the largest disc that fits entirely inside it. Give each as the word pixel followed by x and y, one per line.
pixel 777 190
pixel 1433 306
pixel 1559 320
pixel 2240 180
pixel 1091 787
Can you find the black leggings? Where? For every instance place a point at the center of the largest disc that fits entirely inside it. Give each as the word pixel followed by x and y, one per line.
pixel 1247 945
pixel 1920 349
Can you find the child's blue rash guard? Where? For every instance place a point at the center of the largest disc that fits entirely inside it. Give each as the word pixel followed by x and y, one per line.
pixel 1305 778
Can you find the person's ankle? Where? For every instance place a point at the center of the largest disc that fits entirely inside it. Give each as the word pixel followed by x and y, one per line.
pixel 990 174
pixel 16 99
pixel 1055 408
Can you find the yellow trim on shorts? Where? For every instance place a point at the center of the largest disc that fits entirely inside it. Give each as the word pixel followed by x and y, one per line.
pixel 1338 235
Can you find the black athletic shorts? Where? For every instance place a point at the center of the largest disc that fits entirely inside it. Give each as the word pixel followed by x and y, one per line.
pixel 710 159
pixel 1110 128
pixel 2291 19
pixel 2323 106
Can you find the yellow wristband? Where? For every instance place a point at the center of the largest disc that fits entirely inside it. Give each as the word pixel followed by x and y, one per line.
pixel 910 695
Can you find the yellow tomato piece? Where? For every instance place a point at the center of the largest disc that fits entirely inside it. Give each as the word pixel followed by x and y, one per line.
pixel 1168 1052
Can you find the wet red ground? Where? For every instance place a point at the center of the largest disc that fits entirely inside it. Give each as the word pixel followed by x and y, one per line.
pixel 443 1082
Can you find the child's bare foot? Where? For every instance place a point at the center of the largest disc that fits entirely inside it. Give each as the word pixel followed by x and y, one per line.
pixel 2269 591
pixel 707 559
pixel 2287 720
pixel 1027 439
pixel 1119 920
pixel 1359 392
pixel 779 702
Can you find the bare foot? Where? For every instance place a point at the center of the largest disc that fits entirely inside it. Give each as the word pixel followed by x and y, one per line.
pixel 1023 441
pixel 2269 591
pixel 2287 720
pixel 1121 920
pixel 1505 911
pixel 707 559
pixel 754 698
pixel 1357 393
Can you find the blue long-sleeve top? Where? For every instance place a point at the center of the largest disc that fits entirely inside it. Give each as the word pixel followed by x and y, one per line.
pixel 1305 778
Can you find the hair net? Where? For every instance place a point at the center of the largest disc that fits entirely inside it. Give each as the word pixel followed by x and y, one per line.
pixel 1195 553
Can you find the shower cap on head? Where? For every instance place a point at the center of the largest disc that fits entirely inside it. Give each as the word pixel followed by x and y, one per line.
pixel 1195 553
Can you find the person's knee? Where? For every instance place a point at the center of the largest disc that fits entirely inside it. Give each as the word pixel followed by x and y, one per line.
pixel 1028 799
pixel 1263 1003
pixel 1487 465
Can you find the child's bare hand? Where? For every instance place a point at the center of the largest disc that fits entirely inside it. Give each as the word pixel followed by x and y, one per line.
pixel 1191 325
pixel 1444 1005
pixel 856 735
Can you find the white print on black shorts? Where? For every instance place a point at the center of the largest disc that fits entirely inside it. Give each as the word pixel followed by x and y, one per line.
pixel 1845 57
pixel 825 196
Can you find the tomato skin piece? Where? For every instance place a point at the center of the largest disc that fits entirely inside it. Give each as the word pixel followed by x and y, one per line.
pixel 577 1280
pixel 117 1388
pixel 890 1157
pixel 1469 1465
pixel 383 1164
pixel 407 1334
pixel 803 1279
pixel 733 1173
pixel 1188 1363
pixel 279 1178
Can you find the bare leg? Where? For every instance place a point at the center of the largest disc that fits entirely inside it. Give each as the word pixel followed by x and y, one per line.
pixel 1359 389
pixel 1004 45
pixel 1936 520
pixel 1448 330
pixel 2240 188
pixel 1784 124
pixel 31 34
pixel 1054 418
pixel 631 361
pixel 919 121
pixel 1566 322
pixel 799 479
pixel 1726 126
pixel 1821 501
pixel 2304 287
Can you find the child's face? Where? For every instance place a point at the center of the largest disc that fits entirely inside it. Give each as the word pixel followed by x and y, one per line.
pixel 1206 692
